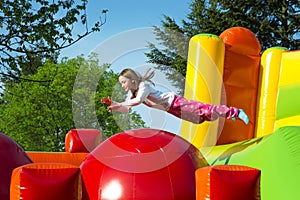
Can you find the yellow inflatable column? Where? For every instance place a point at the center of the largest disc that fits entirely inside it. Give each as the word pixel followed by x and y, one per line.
pixel 288 98
pixel 268 84
pixel 204 83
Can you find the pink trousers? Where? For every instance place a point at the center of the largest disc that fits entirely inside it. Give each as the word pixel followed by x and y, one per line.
pixel 198 112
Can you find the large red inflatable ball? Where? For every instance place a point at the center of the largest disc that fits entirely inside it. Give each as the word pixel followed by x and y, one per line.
pixel 11 155
pixel 142 164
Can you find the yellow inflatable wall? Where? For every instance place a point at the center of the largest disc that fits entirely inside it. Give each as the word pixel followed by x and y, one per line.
pixel 204 84
pixel 228 69
pixel 288 98
pixel 279 97
pixel 268 84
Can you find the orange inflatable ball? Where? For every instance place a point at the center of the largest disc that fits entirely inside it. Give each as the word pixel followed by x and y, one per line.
pixel 12 156
pixel 241 40
pixel 142 164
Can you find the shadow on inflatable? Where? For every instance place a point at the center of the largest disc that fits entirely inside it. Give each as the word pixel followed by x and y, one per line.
pixel 217 160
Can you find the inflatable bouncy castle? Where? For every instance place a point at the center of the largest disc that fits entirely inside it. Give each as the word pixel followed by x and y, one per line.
pixel 219 160
pixel 229 69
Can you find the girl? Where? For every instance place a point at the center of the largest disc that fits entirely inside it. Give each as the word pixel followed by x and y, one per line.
pixel 142 92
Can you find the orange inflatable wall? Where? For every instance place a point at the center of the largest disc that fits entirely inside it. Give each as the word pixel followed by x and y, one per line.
pixel 57 157
pixel 240 77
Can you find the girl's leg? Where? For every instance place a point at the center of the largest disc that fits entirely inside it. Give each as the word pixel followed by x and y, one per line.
pixel 198 112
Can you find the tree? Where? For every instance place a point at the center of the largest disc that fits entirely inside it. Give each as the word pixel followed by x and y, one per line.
pixel 275 23
pixel 91 85
pixel 39 114
pixel 35 30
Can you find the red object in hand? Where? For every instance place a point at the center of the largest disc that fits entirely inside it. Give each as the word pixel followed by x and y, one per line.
pixel 106 100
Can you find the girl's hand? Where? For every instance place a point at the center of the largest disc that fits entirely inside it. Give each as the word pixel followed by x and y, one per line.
pixel 106 100
pixel 113 107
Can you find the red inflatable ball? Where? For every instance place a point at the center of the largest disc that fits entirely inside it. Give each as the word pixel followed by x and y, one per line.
pixel 12 156
pixel 142 164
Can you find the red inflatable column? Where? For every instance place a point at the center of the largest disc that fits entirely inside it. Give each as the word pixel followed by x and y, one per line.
pixel 82 140
pixel 227 182
pixel 46 181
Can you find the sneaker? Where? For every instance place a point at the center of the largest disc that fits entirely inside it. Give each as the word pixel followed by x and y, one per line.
pixel 243 116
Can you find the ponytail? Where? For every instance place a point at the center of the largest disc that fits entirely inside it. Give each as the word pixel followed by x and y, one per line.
pixel 148 75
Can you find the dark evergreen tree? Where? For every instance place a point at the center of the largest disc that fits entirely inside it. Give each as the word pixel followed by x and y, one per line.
pixel 275 23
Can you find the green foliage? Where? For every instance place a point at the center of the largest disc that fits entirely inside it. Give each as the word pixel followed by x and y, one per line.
pixel 38 114
pixel 35 30
pixel 275 23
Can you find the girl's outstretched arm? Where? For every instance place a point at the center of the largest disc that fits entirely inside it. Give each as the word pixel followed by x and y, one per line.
pixel 112 105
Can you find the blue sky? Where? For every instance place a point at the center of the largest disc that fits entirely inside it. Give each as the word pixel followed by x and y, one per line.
pixel 122 43
pixel 124 15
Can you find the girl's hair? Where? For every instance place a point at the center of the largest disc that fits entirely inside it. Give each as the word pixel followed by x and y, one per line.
pixel 131 74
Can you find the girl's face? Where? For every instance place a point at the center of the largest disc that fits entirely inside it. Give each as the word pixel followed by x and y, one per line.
pixel 126 83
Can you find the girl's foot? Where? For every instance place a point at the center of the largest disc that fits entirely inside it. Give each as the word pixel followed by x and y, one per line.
pixel 243 116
